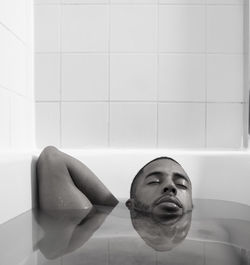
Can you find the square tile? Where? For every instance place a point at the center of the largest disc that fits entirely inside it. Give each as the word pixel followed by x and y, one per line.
pixel 84 28
pixel 225 28
pixel 13 15
pixel 47 76
pixel 224 125
pixel 185 2
pixel 47 124
pixel 4 119
pixel 84 77
pixel 133 125
pixel 181 28
pixel 21 123
pixel 133 28
pixel 133 77
pixel 17 67
pixel 13 62
pixel 85 1
pixel 47 1
pixel 47 31
pixel 133 1
pixel 181 125
pixel 182 77
pixel 225 78
pixel 226 2
pixel 84 125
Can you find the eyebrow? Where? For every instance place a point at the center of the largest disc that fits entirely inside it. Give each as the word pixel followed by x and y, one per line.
pixel 154 173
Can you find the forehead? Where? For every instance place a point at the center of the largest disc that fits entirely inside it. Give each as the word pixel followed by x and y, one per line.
pixel 166 166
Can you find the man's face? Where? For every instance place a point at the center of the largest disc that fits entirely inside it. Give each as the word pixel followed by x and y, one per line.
pixel 163 189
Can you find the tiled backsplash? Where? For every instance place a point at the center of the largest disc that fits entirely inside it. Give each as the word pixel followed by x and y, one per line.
pixel 141 73
pixel 16 75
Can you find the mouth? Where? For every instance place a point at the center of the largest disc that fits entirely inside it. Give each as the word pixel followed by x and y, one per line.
pixel 169 204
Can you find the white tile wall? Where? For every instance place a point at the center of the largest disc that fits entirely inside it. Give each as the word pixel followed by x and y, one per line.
pixel 13 62
pixel 4 119
pixel 142 73
pixel 182 77
pixel 225 29
pixel 47 124
pixel 182 2
pixel 133 77
pixel 17 128
pixel 84 125
pixel 13 15
pixel 47 76
pixel 47 28
pixel 133 1
pixel 47 1
pixel 21 124
pixel 85 1
pixel 181 28
pixel 181 125
pixel 84 77
pixel 133 125
pixel 224 125
pixel 227 2
pixel 84 28
pixel 133 28
pixel 225 76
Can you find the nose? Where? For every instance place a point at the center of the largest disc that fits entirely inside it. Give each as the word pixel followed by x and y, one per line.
pixel 170 189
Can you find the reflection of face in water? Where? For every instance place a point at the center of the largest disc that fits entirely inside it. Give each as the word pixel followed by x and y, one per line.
pixel 161 188
pixel 161 235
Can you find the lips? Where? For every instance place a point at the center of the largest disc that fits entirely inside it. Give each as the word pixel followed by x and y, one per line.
pixel 170 202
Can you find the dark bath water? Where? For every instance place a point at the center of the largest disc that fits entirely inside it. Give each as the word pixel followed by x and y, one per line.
pixel 216 233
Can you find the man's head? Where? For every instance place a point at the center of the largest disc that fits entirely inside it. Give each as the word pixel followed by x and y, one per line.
pixel 161 188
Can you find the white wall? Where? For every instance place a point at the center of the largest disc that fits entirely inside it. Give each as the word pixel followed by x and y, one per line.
pixel 16 107
pixel 16 81
pixel 140 73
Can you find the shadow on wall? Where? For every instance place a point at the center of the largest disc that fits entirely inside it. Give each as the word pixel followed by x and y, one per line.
pixel 34 187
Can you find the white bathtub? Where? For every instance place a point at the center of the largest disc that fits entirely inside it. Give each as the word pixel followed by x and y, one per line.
pixel 214 175
pixel 223 175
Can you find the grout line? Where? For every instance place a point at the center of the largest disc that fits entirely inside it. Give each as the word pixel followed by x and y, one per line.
pixel 12 91
pixel 140 4
pixel 10 120
pixel 245 114
pixel 60 80
pixel 140 52
pixel 109 58
pixel 158 74
pixel 13 34
pixel 205 144
pixel 140 101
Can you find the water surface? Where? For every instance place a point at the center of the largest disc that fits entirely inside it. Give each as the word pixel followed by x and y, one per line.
pixel 216 232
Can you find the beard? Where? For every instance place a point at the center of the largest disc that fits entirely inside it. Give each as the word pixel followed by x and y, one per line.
pixel 140 206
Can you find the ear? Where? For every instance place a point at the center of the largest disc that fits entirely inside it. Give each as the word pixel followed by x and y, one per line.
pixel 130 203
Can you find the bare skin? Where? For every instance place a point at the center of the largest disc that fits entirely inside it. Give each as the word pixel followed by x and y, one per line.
pixel 163 189
pixel 65 183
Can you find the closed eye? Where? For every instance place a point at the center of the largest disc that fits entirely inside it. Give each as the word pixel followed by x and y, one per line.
pixel 181 186
pixel 153 182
